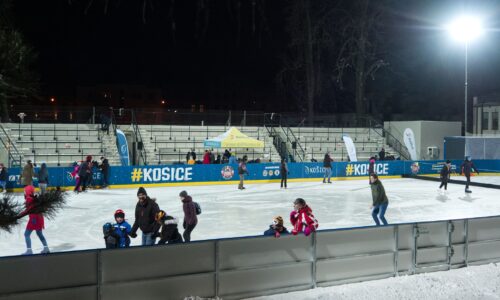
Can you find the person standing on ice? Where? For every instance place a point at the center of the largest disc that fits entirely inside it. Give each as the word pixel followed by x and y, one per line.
pixel 43 178
pixel 283 172
pixel 276 229
pixel 445 175
pixel 302 218
pixel 122 228
pixel 35 222
pixel 466 169
pixel 327 164
pixel 242 171
pixel 190 218
pixel 145 212
pixel 380 201
pixel 28 174
pixel 169 233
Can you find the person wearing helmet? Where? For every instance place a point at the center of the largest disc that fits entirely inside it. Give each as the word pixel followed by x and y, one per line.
pixel 122 228
pixel 35 222
pixel 445 175
pixel 169 233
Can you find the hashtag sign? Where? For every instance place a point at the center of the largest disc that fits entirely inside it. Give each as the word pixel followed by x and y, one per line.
pixel 349 170
pixel 136 175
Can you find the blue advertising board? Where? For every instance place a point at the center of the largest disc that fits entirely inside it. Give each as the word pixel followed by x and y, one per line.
pixel 220 173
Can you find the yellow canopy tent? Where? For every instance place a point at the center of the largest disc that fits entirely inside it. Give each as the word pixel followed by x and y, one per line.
pixel 233 138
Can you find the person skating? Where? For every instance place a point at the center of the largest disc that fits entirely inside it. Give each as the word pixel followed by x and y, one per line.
pixel 445 175
pixel 276 229
pixel 380 201
pixel 466 169
pixel 327 164
pixel 242 171
pixel 284 172
pixel 43 178
pixel 169 233
pixel 145 212
pixel 35 222
pixel 84 172
pixel 4 177
pixel 27 174
pixel 122 228
pixel 190 218
pixel 302 218
pixel 105 171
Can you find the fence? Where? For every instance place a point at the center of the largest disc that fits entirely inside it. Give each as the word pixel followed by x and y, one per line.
pixel 253 266
pixel 262 172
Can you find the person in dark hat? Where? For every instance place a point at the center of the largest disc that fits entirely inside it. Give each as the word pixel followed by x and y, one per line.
pixel 445 175
pixel 145 212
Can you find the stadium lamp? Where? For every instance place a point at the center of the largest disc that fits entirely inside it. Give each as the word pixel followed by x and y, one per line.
pixel 465 29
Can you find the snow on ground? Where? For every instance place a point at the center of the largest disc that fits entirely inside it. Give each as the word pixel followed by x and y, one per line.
pixel 477 282
pixel 229 212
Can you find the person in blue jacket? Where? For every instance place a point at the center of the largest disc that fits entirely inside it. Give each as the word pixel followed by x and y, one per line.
pixel 276 229
pixel 122 229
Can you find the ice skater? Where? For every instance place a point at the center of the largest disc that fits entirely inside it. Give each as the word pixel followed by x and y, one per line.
pixel 371 168
pixel 302 218
pixel 327 164
pixel 466 169
pixel 145 213
pixel 190 218
pixel 35 222
pixel 242 170
pixel 380 201
pixel 169 233
pixel 283 172
pixel 445 175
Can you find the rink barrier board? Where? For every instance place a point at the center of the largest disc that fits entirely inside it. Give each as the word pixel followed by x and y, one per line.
pixel 178 175
pixel 253 266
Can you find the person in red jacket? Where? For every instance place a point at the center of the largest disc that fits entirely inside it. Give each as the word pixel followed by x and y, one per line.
pixel 35 222
pixel 302 218
pixel 190 218
pixel 206 158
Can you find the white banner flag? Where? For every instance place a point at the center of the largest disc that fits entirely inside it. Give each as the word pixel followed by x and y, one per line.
pixel 409 139
pixel 351 149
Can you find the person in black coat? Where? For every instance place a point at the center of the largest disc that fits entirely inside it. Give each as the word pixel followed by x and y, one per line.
pixel 84 172
pixel 445 175
pixel 104 166
pixel 466 169
pixel 381 154
pixel 169 233
pixel 145 213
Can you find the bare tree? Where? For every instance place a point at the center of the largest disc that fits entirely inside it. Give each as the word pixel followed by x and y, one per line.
pixel 360 32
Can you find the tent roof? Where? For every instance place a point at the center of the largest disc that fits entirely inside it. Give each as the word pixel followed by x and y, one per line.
pixel 233 138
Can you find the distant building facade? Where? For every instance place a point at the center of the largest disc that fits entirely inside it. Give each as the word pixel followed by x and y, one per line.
pixel 486 110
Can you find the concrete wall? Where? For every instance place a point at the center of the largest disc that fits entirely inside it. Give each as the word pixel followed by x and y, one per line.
pixel 427 134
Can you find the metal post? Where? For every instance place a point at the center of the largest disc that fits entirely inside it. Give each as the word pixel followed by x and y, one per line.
pixel 216 257
pixel 314 258
pixel 396 250
pixel 466 248
pixel 414 252
pixel 465 87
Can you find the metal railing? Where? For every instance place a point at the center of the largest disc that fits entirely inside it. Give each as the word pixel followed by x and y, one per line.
pixel 15 156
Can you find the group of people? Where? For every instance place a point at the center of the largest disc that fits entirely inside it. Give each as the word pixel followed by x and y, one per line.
pixel 466 169
pixel 153 222
pixel 29 174
pixel 83 173
pixel 210 158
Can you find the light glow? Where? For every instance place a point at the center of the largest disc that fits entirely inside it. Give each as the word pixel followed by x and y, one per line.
pixel 465 28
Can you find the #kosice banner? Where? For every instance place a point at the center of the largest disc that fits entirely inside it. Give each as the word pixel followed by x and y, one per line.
pixel 121 143
pixel 409 139
pixel 351 149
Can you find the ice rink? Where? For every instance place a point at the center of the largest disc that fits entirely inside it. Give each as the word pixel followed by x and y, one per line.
pixel 229 212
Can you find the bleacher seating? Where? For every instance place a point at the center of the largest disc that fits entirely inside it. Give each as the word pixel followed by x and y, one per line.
pixel 168 144
pixel 317 141
pixel 61 144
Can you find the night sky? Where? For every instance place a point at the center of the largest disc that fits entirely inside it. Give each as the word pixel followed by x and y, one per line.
pixel 213 65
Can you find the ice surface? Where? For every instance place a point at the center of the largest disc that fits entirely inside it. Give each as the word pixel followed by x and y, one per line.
pixel 479 282
pixel 229 212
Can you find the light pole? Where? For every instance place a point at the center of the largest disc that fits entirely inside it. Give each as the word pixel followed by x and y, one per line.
pixel 465 29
